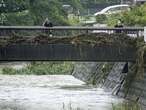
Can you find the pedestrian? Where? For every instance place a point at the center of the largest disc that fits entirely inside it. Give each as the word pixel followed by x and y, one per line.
pixel 126 68
pixel 48 23
pixel 119 25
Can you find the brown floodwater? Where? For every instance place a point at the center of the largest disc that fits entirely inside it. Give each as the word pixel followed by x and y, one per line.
pixel 51 92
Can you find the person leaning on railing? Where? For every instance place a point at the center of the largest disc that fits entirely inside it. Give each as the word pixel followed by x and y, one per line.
pixel 119 25
pixel 48 23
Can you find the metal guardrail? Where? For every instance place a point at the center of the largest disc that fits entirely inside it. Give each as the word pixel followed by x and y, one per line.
pixel 67 30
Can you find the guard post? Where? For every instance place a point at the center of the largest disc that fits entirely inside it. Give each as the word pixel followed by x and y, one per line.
pixel 145 34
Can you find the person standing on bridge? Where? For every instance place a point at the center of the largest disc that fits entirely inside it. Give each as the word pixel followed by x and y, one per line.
pixel 48 23
pixel 119 25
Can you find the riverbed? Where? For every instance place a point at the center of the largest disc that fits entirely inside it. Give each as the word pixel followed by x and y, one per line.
pixel 52 92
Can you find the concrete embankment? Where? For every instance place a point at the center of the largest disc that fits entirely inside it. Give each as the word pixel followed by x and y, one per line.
pixel 91 72
pixel 122 84
pixel 87 71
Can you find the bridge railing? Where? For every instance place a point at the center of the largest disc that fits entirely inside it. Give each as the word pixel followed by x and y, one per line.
pixel 67 31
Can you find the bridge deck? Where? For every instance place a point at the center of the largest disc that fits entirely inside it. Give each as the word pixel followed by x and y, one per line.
pixel 67 52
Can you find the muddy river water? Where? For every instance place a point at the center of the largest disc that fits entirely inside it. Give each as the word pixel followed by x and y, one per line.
pixel 51 92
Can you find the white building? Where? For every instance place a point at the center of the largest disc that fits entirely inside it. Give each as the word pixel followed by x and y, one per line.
pixel 139 1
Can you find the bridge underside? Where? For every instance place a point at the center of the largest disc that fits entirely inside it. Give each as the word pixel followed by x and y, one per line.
pixel 67 52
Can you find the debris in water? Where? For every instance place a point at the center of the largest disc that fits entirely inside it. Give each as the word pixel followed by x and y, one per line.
pixel 91 39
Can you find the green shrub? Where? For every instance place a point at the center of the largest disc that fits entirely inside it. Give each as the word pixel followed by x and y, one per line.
pixel 9 71
pixel 101 18
pixel 42 68
pixel 135 17
pixel 126 106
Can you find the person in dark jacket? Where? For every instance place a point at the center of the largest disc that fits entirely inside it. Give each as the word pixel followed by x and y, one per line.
pixel 119 25
pixel 125 69
pixel 48 23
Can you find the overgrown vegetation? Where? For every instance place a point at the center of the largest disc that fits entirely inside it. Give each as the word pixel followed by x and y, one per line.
pixel 34 12
pixel 140 59
pixel 101 19
pixel 127 106
pixel 41 68
pixel 136 70
pixel 90 39
pixel 135 17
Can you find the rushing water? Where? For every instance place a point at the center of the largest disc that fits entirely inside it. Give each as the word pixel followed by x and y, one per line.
pixel 51 93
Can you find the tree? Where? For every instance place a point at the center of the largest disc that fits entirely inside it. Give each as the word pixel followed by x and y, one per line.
pixel 44 8
pixel 136 16
pixel 33 12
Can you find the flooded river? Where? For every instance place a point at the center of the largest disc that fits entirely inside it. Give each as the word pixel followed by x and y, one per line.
pixel 57 92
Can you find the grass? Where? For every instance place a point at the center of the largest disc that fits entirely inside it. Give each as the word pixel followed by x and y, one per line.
pixel 41 68
pixel 121 106
pixel 126 106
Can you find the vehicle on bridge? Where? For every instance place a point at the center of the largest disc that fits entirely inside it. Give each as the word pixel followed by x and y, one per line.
pixel 113 9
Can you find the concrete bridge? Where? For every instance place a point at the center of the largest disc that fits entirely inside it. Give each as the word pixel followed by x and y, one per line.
pixel 66 52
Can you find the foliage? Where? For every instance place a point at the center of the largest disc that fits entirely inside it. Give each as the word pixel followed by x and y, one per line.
pixel 135 17
pixel 126 106
pixel 9 71
pixel 101 18
pixel 42 68
pixel 51 9
pixel 22 18
pixel 33 12
pixel 113 19
pixel 110 20
pixel 74 21
pixel 136 69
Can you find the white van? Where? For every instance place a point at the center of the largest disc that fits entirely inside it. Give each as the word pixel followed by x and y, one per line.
pixel 113 9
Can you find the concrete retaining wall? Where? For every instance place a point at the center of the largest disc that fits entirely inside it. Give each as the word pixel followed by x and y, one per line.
pixel 115 81
pixel 87 71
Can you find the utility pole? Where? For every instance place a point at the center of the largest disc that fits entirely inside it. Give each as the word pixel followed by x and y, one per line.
pixel 122 2
pixel 145 34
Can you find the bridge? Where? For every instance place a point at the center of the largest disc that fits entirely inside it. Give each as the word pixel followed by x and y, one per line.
pixel 66 52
